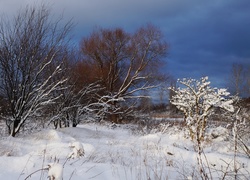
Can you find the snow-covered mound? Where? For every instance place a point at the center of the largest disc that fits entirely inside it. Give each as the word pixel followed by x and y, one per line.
pixel 77 149
pixel 219 133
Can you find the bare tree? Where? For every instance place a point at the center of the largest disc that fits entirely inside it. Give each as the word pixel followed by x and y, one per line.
pixel 124 63
pixel 238 80
pixel 30 44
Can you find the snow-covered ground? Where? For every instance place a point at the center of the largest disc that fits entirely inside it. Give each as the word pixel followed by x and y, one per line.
pixel 118 153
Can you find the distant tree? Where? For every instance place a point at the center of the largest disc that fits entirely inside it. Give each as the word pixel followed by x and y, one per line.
pixel 197 100
pixel 161 94
pixel 238 80
pixel 171 93
pixel 29 49
pixel 124 63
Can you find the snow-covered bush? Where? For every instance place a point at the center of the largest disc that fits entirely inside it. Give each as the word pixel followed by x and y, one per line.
pixel 77 150
pixel 197 100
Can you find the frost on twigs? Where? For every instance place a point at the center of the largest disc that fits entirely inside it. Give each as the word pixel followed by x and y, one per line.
pixel 55 171
pixel 77 150
pixel 197 100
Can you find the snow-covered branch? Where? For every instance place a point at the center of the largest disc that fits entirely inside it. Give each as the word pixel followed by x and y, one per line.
pixel 197 100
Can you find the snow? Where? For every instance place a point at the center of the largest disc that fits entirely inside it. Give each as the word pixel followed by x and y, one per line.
pixel 117 153
pixel 55 171
pixel 220 133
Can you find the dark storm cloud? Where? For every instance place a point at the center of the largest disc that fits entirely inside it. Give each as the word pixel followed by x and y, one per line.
pixel 205 37
pixel 210 39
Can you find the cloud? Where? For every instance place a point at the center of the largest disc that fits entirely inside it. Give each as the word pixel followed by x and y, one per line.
pixel 210 38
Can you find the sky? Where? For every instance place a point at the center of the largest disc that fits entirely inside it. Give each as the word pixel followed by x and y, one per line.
pixel 205 37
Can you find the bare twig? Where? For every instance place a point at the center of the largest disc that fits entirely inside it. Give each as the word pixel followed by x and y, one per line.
pixel 36 172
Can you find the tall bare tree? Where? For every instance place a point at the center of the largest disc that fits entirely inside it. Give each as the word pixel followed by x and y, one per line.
pixel 30 43
pixel 125 63
pixel 237 79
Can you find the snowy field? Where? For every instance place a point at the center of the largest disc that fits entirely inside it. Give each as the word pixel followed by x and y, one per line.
pixel 120 153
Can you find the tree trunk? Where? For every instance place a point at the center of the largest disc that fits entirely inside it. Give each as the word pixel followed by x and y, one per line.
pixel 74 123
pixel 204 124
pixel 15 128
pixel 55 124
